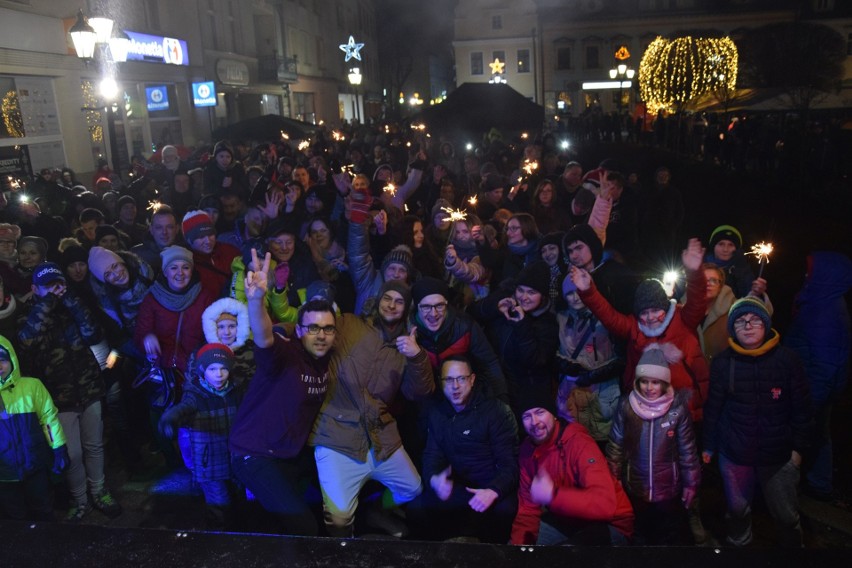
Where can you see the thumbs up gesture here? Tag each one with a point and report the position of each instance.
(407, 344)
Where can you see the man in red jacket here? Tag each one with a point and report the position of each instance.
(567, 495)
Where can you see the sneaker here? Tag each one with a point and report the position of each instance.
(106, 504)
(77, 512)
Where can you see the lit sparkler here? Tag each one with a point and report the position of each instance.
(454, 214)
(154, 206)
(284, 135)
(530, 166)
(472, 200)
(304, 145)
(390, 189)
(761, 251)
(337, 135)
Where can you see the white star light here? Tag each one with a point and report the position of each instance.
(352, 49)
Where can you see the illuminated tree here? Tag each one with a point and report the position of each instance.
(674, 72)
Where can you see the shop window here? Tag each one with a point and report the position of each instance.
(476, 63)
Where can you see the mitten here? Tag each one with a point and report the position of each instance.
(60, 459)
(282, 274)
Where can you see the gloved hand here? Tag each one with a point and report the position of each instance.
(60, 459)
(282, 274)
(360, 205)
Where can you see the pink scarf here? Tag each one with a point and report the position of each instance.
(650, 409)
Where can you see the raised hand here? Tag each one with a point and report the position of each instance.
(407, 344)
(381, 222)
(152, 345)
(510, 309)
(257, 281)
(581, 278)
(450, 256)
(442, 484)
(273, 205)
(693, 255)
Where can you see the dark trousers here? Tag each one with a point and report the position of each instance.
(660, 523)
(277, 485)
(433, 519)
(28, 499)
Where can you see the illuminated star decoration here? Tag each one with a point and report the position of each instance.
(352, 49)
(761, 251)
(497, 67)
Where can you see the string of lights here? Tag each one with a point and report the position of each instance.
(674, 72)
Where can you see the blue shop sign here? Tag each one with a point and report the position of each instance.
(157, 97)
(204, 94)
(157, 49)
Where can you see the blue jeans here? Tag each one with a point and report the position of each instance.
(778, 484)
(590, 533)
(275, 484)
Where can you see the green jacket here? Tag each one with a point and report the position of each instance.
(29, 423)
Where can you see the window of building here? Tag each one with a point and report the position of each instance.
(303, 107)
(592, 57)
(496, 22)
(213, 23)
(563, 58)
(233, 27)
(476, 63)
(523, 61)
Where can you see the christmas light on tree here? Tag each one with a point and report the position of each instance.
(674, 72)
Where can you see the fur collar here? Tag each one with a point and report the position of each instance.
(647, 332)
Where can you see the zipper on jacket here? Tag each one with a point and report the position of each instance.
(651, 461)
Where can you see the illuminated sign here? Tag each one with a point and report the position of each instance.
(157, 49)
(157, 97)
(204, 94)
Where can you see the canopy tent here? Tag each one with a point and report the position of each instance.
(267, 128)
(475, 108)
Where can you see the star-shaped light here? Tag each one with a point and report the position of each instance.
(352, 49)
(497, 67)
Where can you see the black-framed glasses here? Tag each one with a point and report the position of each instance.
(744, 323)
(440, 307)
(314, 329)
(460, 380)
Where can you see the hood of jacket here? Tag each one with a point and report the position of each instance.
(216, 309)
(16, 367)
(829, 277)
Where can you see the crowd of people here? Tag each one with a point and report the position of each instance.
(467, 346)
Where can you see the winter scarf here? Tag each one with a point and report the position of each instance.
(176, 301)
(650, 409)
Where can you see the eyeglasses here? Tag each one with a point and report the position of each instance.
(314, 329)
(460, 380)
(512, 228)
(744, 323)
(426, 308)
(714, 281)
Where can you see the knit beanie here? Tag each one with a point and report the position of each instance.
(726, 233)
(100, 259)
(568, 285)
(748, 305)
(104, 230)
(655, 360)
(427, 286)
(9, 232)
(173, 253)
(536, 398)
(223, 146)
(320, 288)
(397, 286)
(535, 275)
(215, 353)
(400, 254)
(124, 200)
(197, 224)
(551, 239)
(282, 226)
(75, 253)
(650, 294)
(584, 234)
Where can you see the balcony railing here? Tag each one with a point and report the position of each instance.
(277, 69)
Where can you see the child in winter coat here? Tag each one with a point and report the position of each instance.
(652, 449)
(208, 407)
(31, 442)
(589, 369)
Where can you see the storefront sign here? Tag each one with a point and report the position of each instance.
(157, 97)
(157, 49)
(232, 72)
(204, 94)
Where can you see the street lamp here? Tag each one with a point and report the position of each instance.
(355, 78)
(621, 72)
(87, 34)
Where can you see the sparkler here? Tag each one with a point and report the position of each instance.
(472, 200)
(337, 135)
(348, 168)
(390, 189)
(762, 251)
(284, 135)
(530, 166)
(454, 215)
(154, 206)
(303, 145)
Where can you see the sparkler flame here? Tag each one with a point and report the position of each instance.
(154, 206)
(761, 251)
(303, 145)
(454, 214)
(472, 200)
(530, 166)
(337, 135)
(390, 188)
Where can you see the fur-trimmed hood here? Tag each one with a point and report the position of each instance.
(231, 306)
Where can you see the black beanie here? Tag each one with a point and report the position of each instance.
(536, 275)
(537, 396)
(74, 253)
(551, 239)
(426, 286)
(650, 294)
(585, 234)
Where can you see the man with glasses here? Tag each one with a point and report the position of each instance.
(443, 331)
(268, 438)
(355, 436)
(471, 462)
(758, 420)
